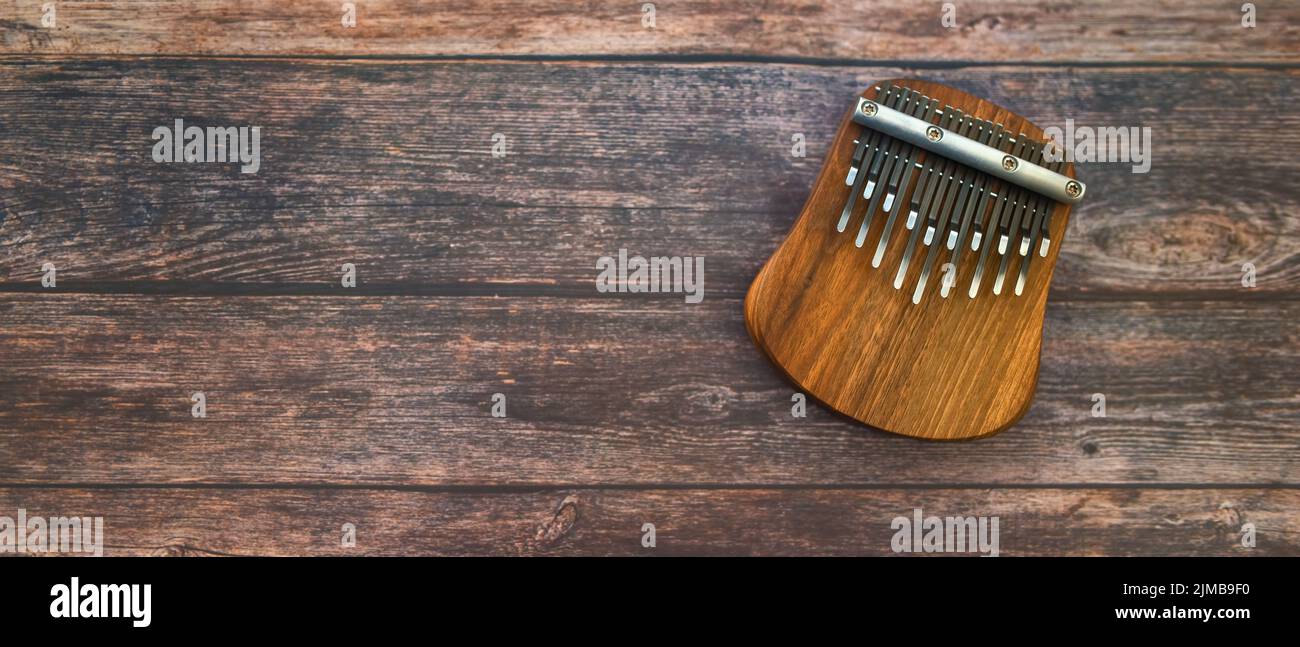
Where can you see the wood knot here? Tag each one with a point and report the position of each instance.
(1228, 515)
(559, 525)
(983, 23)
(708, 402)
(181, 547)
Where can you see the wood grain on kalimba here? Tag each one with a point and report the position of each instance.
(912, 300)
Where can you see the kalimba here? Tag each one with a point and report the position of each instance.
(910, 293)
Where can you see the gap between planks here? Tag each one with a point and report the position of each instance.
(181, 289)
(656, 59)
(540, 488)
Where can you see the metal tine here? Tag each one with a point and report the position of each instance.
(976, 204)
(902, 186)
(936, 178)
(1042, 206)
(873, 154)
(1036, 206)
(973, 182)
(954, 225)
(893, 159)
(1008, 241)
(1045, 234)
(1017, 194)
(865, 141)
(937, 229)
(854, 178)
(1004, 259)
(924, 107)
(978, 181)
(1028, 207)
(1000, 203)
(924, 186)
(1045, 230)
(949, 187)
(882, 156)
(999, 140)
(1045, 207)
(1010, 221)
(965, 179)
(962, 209)
(860, 147)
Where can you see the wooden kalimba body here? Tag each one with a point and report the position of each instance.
(910, 292)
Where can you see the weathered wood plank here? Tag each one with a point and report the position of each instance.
(993, 30)
(390, 166)
(397, 390)
(1117, 522)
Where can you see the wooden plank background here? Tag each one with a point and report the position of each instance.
(476, 276)
(984, 30)
(604, 521)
